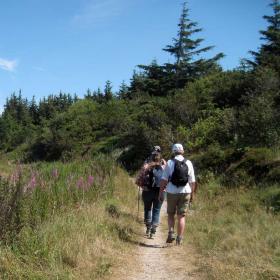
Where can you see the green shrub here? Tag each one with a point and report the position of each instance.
(270, 196)
(256, 167)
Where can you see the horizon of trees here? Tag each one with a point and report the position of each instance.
(218, 115)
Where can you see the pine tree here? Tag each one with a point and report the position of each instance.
(123, 91)
(155, 77)
(184, 49)
(89, 94)
(269, 52)
(108, 94)
(34, 111)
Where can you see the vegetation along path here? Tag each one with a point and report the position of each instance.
(154, 259)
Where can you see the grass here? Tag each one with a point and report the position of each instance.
(84, 237)
(235, 233)
(5, 165)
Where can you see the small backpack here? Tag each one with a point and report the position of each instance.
(152, 177)
(180, 176)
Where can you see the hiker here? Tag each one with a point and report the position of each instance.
(149, 179)
(178, 180)
(155, 150)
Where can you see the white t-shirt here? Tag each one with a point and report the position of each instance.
(167, 173)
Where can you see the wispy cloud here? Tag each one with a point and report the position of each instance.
(98, 11)
(8, 65)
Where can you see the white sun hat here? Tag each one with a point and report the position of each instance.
(177, 148)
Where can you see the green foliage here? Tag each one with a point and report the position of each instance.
(82, 239)
(34, 195)
(185, 49)
(271, 198)
(214, 113)
(268, 54)
(258, 117)
(256, 166)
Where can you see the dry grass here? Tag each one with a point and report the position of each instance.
(238, 238)
(82, 243)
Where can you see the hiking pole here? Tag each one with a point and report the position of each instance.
(138, 203)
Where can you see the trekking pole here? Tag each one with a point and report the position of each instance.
(138, 209)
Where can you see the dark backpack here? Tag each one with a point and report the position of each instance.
(180, 176)
(149, 179)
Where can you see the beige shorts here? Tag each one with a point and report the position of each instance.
(178, 203)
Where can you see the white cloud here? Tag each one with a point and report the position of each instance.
(98, 11)
(8, 65)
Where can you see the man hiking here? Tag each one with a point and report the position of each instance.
(149, 179)
(179, 181)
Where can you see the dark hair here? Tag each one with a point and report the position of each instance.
(156, 157)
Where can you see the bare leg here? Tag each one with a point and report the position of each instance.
(171, 222)
(181, 225)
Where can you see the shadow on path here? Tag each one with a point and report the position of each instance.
(142, 244)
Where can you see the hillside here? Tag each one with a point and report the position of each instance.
(68, 206)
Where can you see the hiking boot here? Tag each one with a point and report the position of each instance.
(170, 237)
(153, 231)
(148, 230)
(179, 240)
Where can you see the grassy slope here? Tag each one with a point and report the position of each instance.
(237, 236)
(78, 243)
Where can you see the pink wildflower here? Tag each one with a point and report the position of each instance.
(55, 173)
(31, 185)
(80, 183)
(90, 180)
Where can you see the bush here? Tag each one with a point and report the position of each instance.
(271, 198)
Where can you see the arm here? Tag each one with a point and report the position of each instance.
(164, 181)
(162, 186)
(192, 181)
(194, 189)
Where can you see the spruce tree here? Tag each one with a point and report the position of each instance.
(108, 94)
(123, 91)
(34, 111)
(269, 52)
(185, 49)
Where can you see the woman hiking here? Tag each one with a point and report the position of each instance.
(148, 179)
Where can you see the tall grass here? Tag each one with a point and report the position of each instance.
(237, 235)
(67, 221)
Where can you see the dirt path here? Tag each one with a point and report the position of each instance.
(155, 260)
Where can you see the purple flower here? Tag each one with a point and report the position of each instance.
(15, 177)
(80, 183)
(31, 185)
(55, 173)
(90, 180)
(32, 182)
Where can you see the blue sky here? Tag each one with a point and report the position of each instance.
(72, 45)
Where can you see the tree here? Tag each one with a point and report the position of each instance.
(108, 94)
(34, 111)
(123, 91)
(269, 52)
(154, 79)
(184, 49)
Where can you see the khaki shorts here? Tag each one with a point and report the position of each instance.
(178, 203)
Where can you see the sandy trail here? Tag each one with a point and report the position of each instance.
(156, 260)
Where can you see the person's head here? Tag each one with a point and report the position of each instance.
(156, 157)
(156, 149)
(177, 149)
